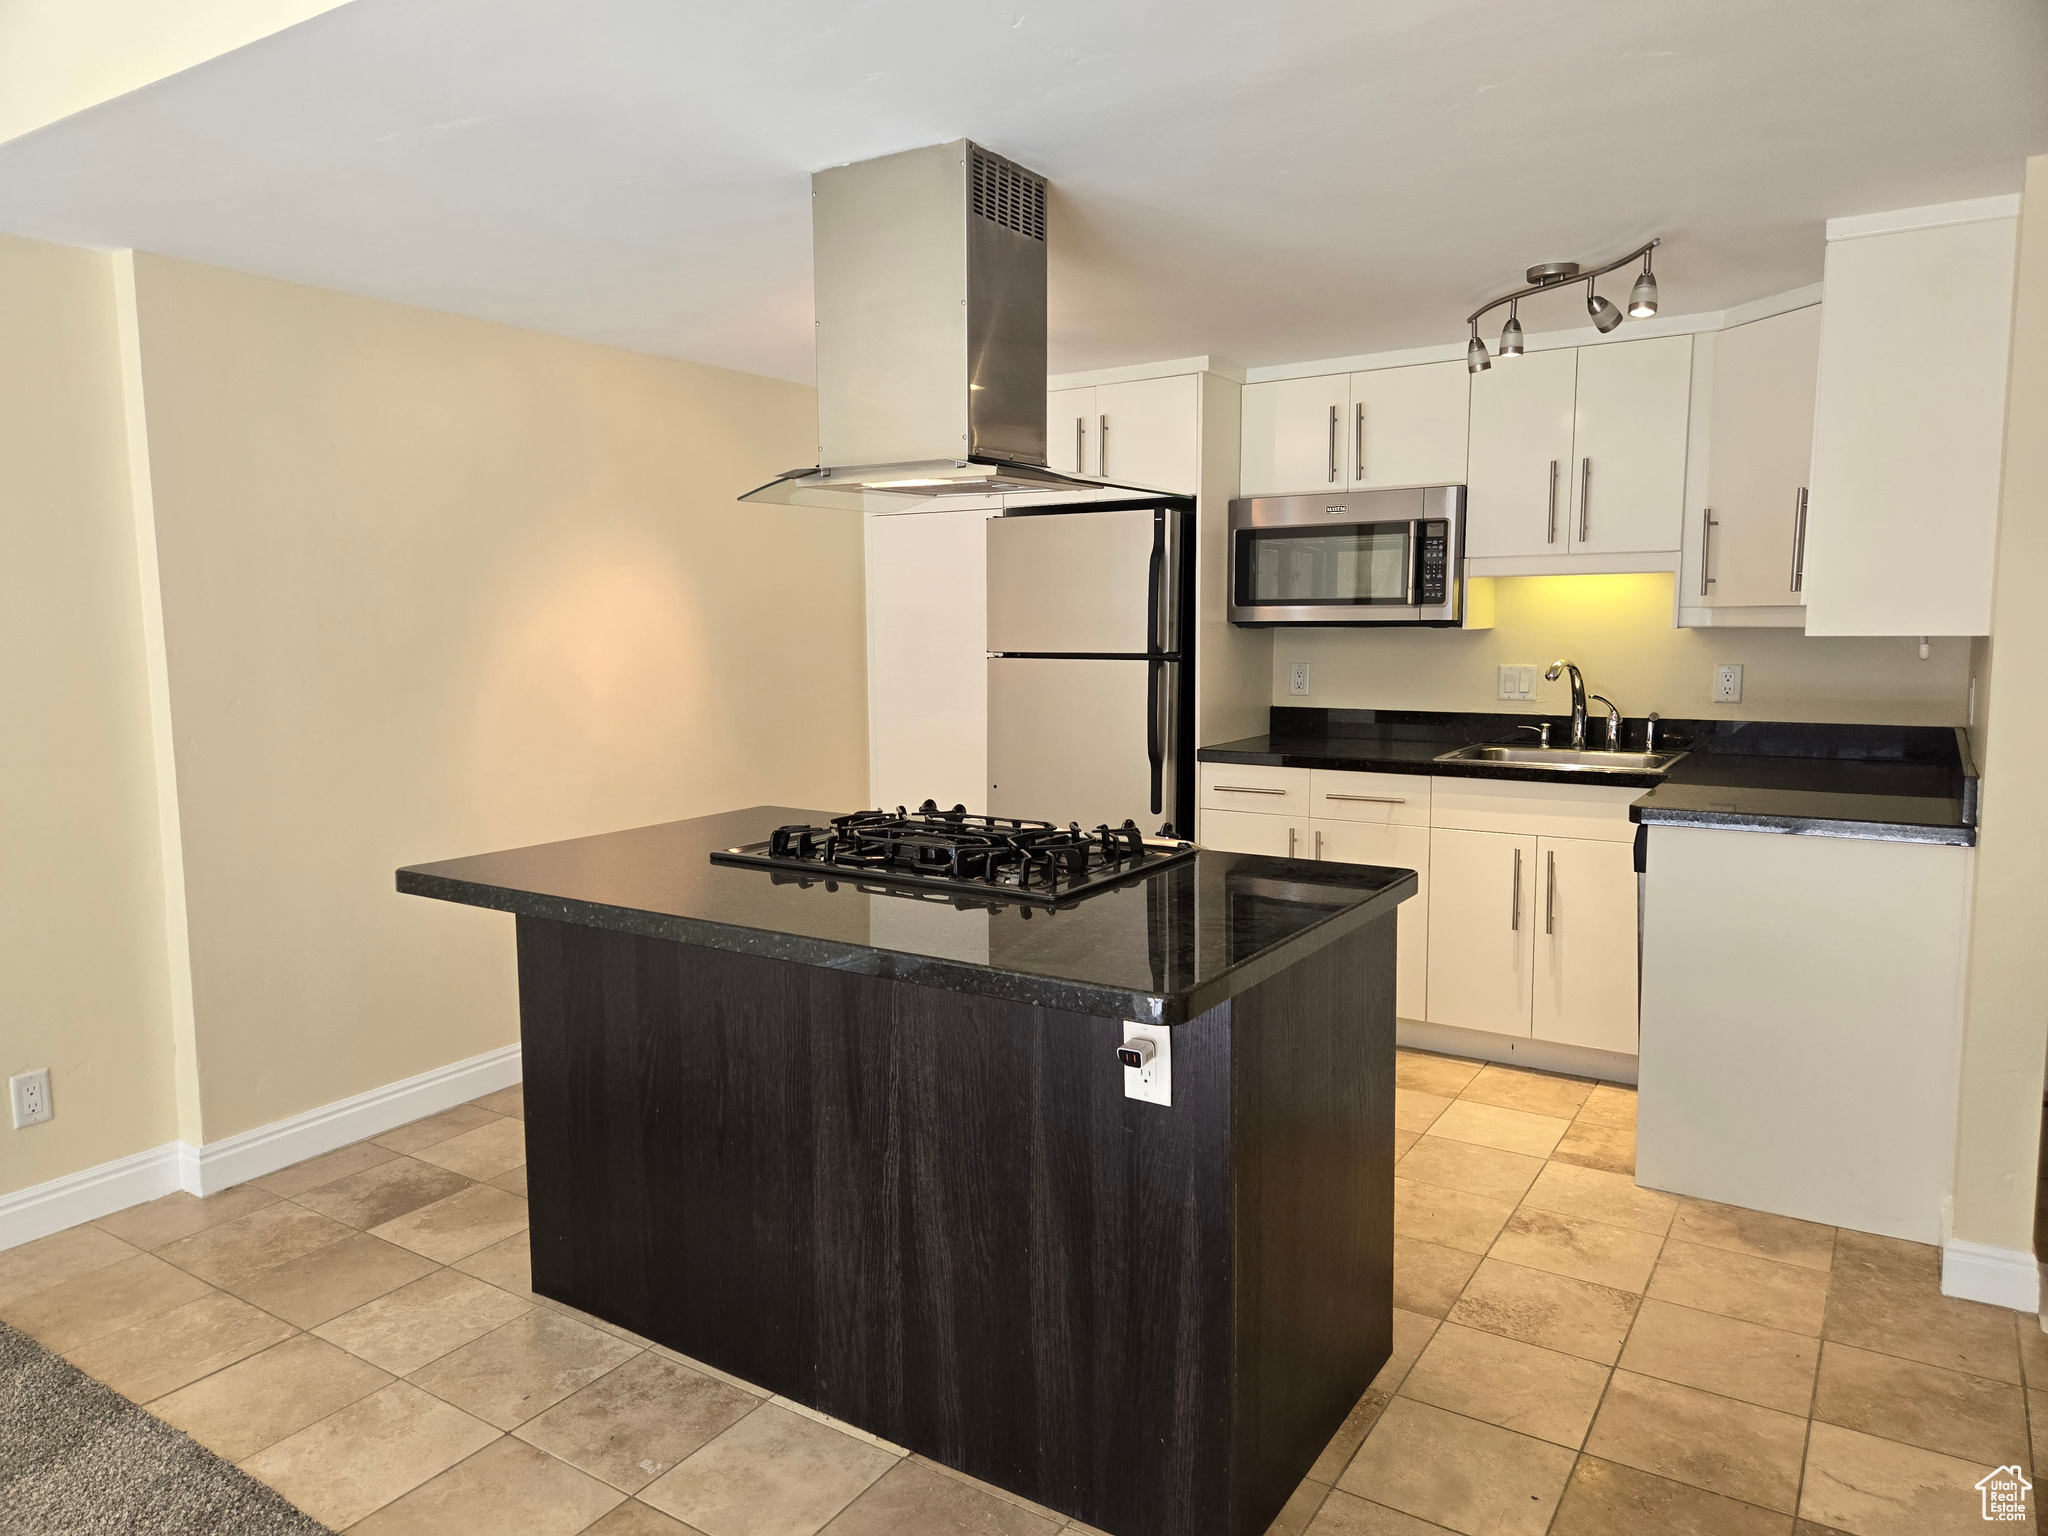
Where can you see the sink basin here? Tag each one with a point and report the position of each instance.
(1586, 761)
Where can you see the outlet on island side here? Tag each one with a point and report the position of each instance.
(1727, 685)
(1297, 680)
(30, 1093)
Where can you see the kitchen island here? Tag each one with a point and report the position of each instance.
(874, 1151)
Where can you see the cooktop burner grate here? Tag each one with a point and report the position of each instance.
(955, 850)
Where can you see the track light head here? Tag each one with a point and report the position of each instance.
(1605, 316)
(1511, 335)
(1476, 360)
(1642, 299)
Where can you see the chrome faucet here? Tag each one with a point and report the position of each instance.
(1613, 722)
(1578, 700)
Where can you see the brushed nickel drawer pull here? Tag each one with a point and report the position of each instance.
(1319, 843)
(1372, 799)
(1550, 890)
(1244, 789)
(1290, 842)
(1515, 901)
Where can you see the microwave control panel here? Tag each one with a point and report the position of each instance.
(1431, 561)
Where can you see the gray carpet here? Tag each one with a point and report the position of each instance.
(79, 1459)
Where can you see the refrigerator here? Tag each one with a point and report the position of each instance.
(1091, 663)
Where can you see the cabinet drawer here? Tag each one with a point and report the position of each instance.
(1393, 799)
(1254, 787)
(1598, 811)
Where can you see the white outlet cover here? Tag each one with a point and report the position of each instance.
(1154, 1083)
(1728, 685)
(1297, 680)
(30, 1094)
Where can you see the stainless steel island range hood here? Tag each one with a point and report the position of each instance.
(930, 279)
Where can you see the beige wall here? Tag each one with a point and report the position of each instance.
(2005, 1027)
(1619, 630)
(433, 586)
(58, 57)
(83, 987)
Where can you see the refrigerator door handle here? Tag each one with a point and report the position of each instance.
(1153, 746)
(1152, 593)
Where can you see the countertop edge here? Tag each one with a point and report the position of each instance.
(1517, 772)
(1805, 826)
(1027, 987)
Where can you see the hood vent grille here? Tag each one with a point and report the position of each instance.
(1008, 194)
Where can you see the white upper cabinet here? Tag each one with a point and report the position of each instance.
(1581, 451)
(1295, 438)
(1628, 446)
(1521, 456)
(1408, 426)
(1148, 433)
(1144, 432)
(1761, 450)
(1071, 431)
(1909, 422)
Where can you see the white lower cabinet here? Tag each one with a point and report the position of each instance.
(1401, 847)
(1524, 918)
(1584, 921)
(1278, 837)
(1479, 924)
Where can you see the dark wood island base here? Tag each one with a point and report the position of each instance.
(874, 1152)
(936, 1215)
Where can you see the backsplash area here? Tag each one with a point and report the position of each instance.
(1619, 630)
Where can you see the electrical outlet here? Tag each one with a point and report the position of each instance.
(1152, 1082)
(1727, 685)
(1297, 680)
(31, 1094)
(1517, 683)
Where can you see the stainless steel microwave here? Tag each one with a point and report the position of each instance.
(1353, 557)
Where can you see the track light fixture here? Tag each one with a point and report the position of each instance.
(1511, 334)
(1642, 301)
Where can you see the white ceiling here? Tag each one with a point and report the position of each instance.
(1263, 181)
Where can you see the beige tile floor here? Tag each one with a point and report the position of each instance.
(1574, 1356)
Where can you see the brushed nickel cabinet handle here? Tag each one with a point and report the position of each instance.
(1244, 789)
(1551, 537)
(1102, 446)
(1585, 492)
(1550, 890)
(1372, 799)
(1358, 444)
(1290, 842)
(1080, 445)
(1707, 527)
(1319, 842)
(1799, 541)
(1515, 902)
(1333, 445)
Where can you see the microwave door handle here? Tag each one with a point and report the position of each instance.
(1414, 595)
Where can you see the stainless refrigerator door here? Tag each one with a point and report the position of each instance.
(1070, 740)
(1073, 581)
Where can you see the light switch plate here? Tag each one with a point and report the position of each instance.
(30, 1092)
(1517, 682)
(1297, 680)
(1727, 685)
(1152, 1083)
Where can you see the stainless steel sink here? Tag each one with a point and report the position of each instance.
(1586, 761)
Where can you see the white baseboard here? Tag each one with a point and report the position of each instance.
(32, 1213)
(2004, 1277)
(28, 1214)
(237, 1159)
(1516, 1051)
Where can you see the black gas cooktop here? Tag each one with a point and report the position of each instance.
(963, 854)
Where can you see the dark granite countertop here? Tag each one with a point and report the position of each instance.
(1895, 783)
(1158, 950)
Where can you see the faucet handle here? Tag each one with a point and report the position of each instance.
(1613, 722)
